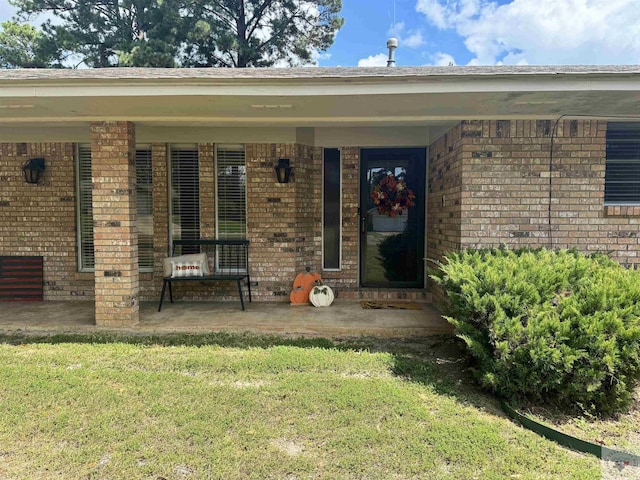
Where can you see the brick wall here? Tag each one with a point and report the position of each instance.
(506, 181)
(444, 194)
(308, 209)
(282, 219)
(40, 219)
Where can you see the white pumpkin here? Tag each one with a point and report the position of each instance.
(321, 296)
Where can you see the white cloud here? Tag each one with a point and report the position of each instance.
(434, 12)
(410, 39)
(414, 40)
(396, 29)
(542, 31)
(441, 59)
(379, 60)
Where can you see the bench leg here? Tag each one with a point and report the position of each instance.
(164, 286)
(240, 292)
(249, 287)
(170, 291)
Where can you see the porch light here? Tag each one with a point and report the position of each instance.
(32, 169)
(283, 170)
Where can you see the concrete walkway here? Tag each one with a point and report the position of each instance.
(343, 318)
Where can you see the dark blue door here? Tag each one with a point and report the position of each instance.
(392, 206)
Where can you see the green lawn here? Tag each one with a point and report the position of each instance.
(294, 411)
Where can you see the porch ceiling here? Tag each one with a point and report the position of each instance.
(421, 97)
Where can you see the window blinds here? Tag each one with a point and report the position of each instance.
(231, 187)
(86, 258)
(144, 199)
(622, 176)
(185, 193)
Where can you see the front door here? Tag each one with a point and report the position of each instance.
(392, 186)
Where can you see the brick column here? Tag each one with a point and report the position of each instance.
(113, 174)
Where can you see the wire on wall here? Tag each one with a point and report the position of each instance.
(554, 132)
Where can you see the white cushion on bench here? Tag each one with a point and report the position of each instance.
(193, 257)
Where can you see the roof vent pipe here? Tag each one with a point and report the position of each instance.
(392, 44)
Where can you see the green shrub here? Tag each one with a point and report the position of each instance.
(553, 327)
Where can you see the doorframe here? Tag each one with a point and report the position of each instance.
(421, 280)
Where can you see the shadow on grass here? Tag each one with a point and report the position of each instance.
(438, 361)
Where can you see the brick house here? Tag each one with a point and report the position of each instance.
(521, 156)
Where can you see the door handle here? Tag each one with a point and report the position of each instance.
(363, 224)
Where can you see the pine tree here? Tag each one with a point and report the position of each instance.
(169, 33)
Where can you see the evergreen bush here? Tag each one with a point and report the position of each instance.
(555, 327)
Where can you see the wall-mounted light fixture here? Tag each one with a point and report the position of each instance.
(283, 170)
(32, 169)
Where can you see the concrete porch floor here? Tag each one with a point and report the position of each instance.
(343, 318)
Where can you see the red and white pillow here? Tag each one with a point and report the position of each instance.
(194, 257)
(187, 269)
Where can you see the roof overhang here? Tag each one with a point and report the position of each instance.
(314, 97)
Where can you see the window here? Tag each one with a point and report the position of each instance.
(231, 188)
(144, 200)
(331, 211)
(185, 194)
(144, 194)
(86, 258)
(231, 203)
(622, 177)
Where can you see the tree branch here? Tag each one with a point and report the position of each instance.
(257, 16)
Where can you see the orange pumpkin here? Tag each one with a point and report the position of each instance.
(305, 280)
(297, 282)
(299, 295)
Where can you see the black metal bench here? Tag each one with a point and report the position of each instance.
(228, 260)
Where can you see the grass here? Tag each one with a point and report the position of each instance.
(241, 406)
(620, 432)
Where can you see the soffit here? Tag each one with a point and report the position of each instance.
(417, 98)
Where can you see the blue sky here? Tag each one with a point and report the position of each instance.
(483, 32)
(368, 25)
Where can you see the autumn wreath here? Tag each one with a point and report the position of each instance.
(392, 197)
